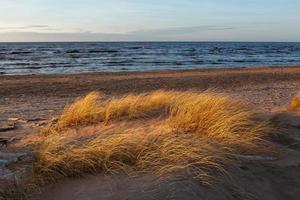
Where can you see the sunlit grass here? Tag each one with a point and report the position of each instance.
(295, 102)
(82, 112)
(166, 132)
(91, 110)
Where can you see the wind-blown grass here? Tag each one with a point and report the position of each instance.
(166, 132)
(295, 102)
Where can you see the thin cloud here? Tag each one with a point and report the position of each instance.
(8, 28)
(61, 37)
(182, 30)
(197, 33)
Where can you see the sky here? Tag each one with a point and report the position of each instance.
(149, 20)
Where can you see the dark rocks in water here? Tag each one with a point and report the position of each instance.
(2, 73)
(57, 52)
(216, 50)
(95, 51)
(239, 61)
(178, 63)
(20, 52)
(191, 50)
(135, 47)
(73, 51)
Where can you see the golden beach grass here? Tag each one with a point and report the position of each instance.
(201, 133)
(295, 102)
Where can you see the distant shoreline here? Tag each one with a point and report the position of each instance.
(163, 71)
(132, 41)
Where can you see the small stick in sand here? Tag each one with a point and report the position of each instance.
(6, 141)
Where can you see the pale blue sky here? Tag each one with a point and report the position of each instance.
(192, 20)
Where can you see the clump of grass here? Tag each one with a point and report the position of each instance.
(91, 110)
(196, 132)
(84, 111)
(295, 102)
(152, 152)
(134, 106)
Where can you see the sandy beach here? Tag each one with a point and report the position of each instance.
(42, 96)
(32, 101)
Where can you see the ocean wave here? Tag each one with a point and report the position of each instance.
(20, 52)
(43, 58)
(103, 51)
(135, 48)
(73, 51)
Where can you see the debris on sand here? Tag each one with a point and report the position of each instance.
(4, 141)
(6, 126)
(14, 119)
(36, 119)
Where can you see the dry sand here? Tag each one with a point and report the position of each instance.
(40, 96)
(35, 99)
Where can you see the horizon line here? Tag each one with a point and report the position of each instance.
(152, 41)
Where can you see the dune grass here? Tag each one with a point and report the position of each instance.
(172, 132)
(90, 110)
(295, 102)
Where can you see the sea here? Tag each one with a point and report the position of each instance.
(79, 57)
